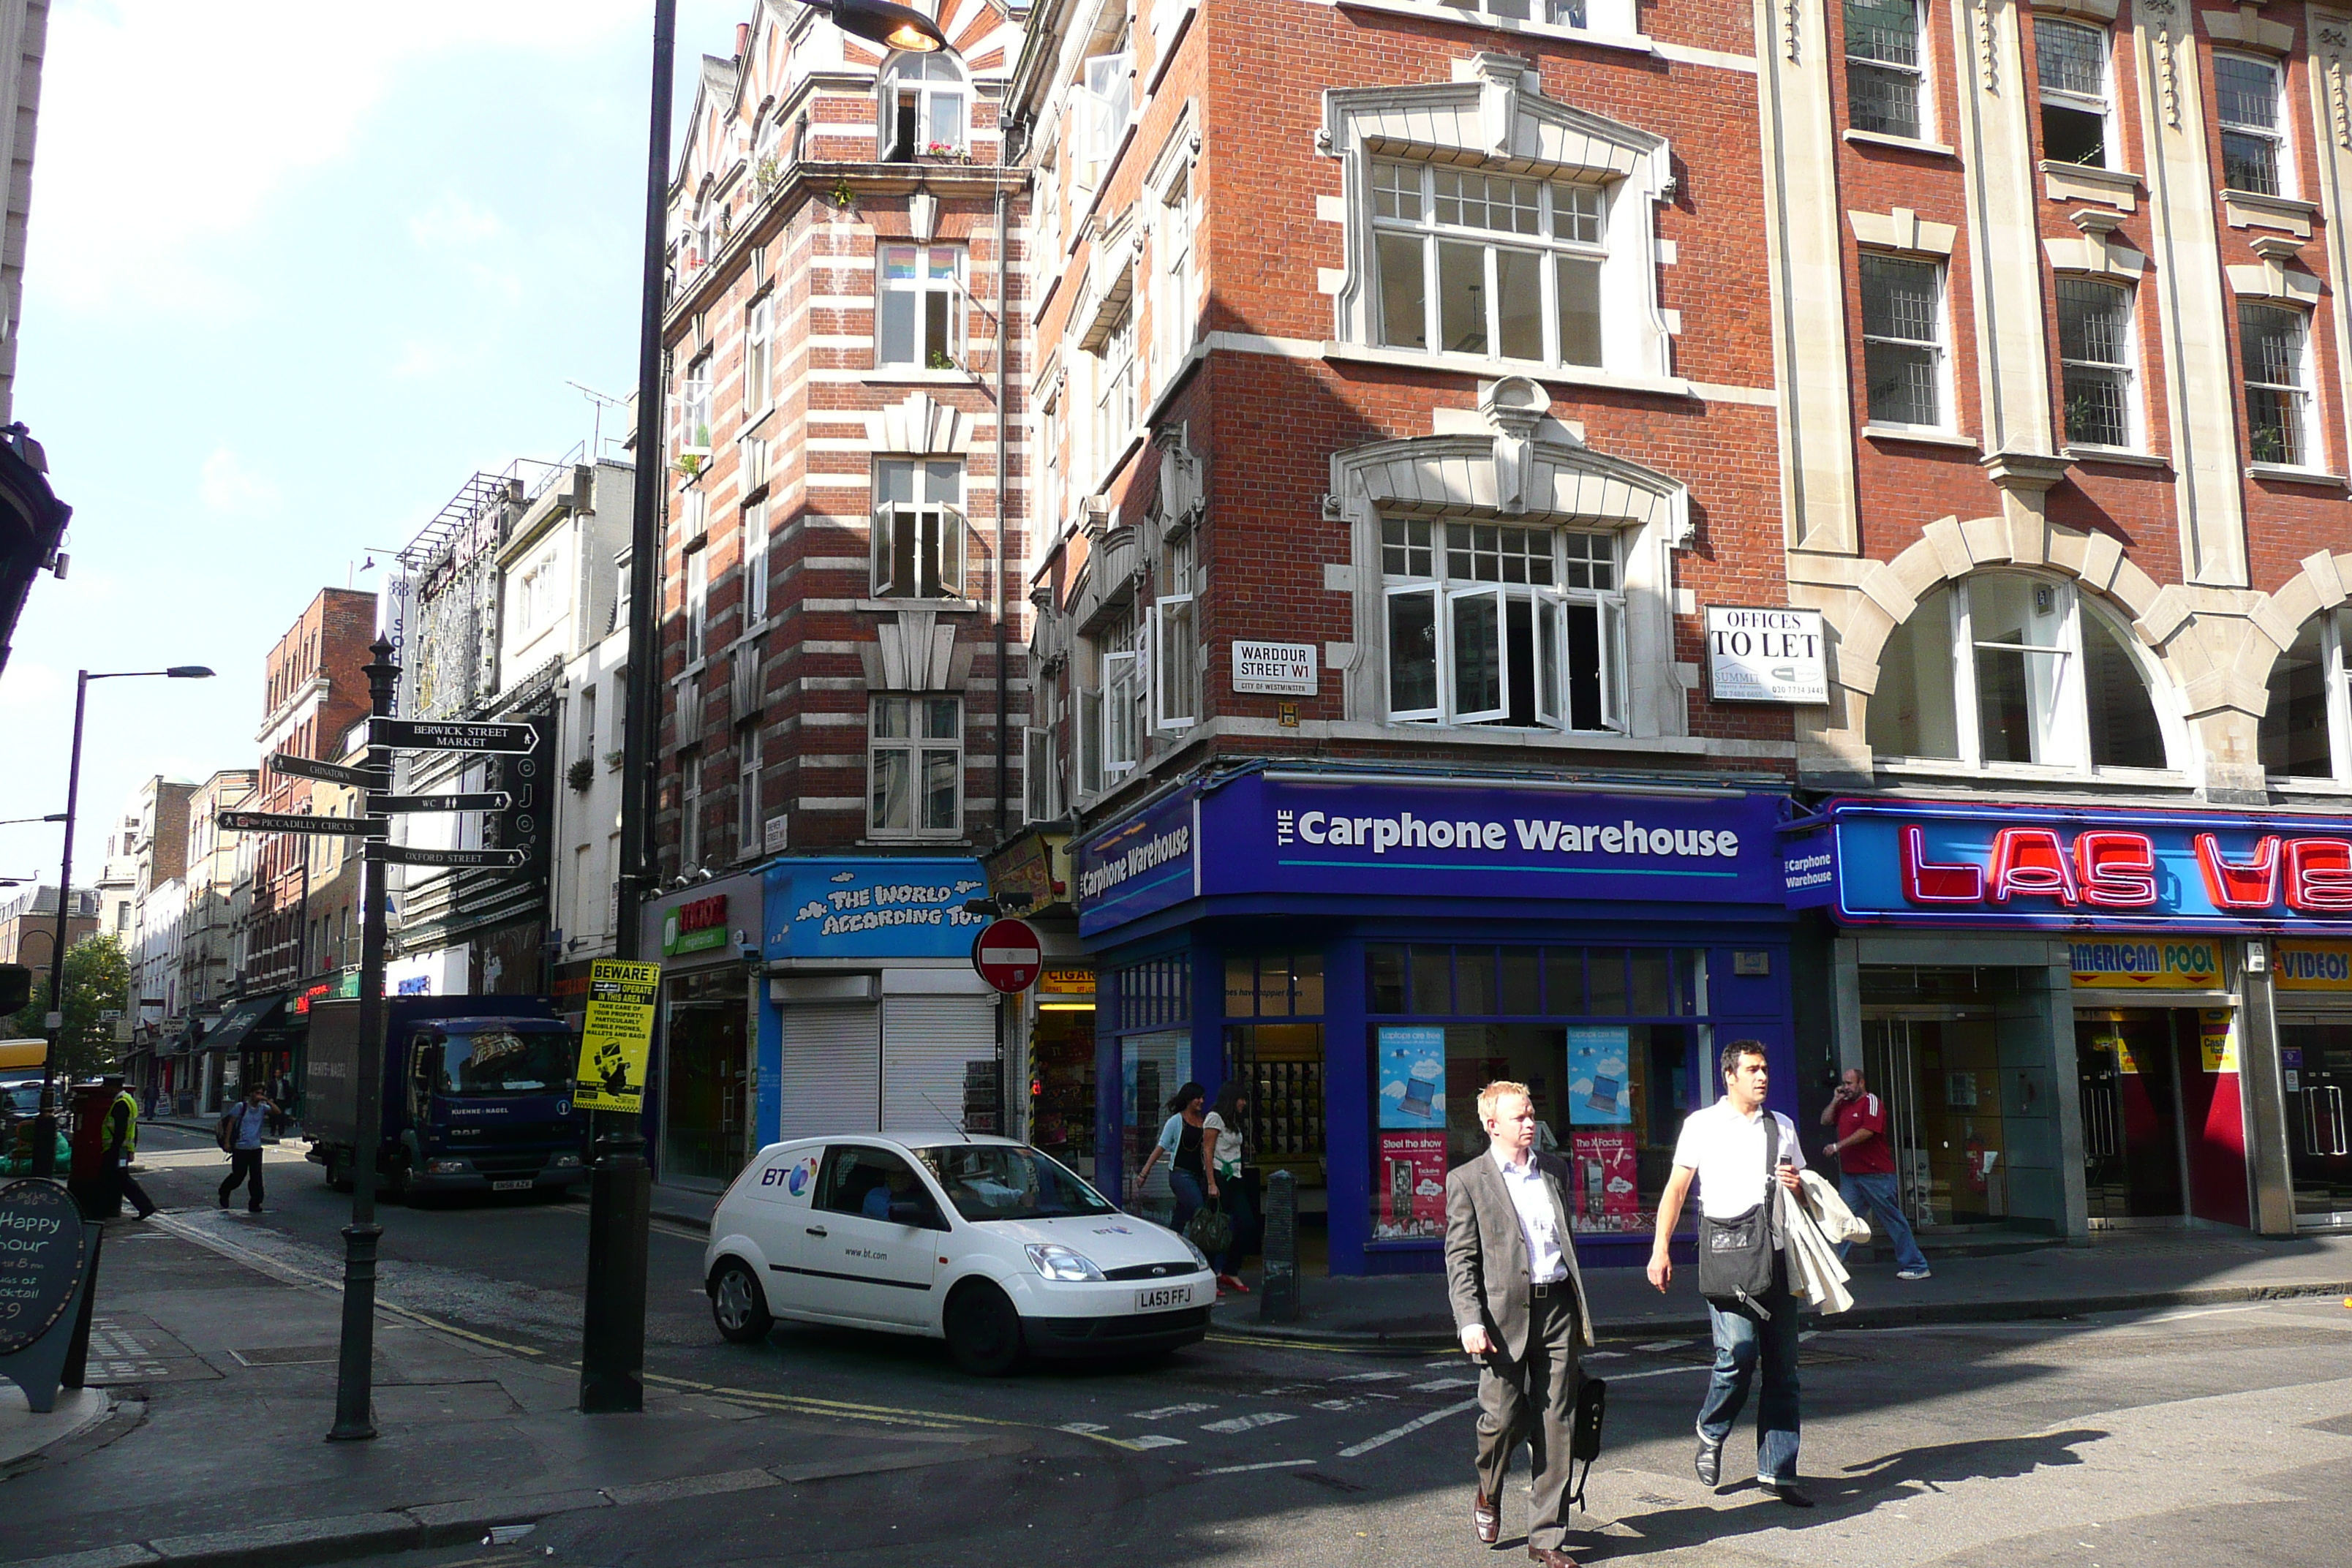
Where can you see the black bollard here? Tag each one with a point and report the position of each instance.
(1277, 1300)
(612, 1333)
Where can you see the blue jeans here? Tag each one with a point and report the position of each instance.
(1873, 1198)
(1188, 1198)
(1741, 1340)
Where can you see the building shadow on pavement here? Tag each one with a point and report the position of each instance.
(1858, 1490)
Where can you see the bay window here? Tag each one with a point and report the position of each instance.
(1115, 388)
(747, 793)
(915, 768)
(2274, 342)
(697, 603)
(918, 529)
(1605, 14)
(759, 337)
(755, 563)
(1500, 266)
(1501, 624)
(919, 317)
(2005, 667)
(922, 108)
(694, 410)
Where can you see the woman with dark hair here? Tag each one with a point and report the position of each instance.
(1228, 1182)
(1179, 1140)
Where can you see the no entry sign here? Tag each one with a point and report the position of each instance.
(1007, 954)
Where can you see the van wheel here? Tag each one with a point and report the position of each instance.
(339, 1177)
(984, 1331)
(737, 1305)
(396, 1187)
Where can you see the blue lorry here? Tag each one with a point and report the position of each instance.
(477, 1095)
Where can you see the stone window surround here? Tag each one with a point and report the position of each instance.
(1508, 460)
(1494, 115)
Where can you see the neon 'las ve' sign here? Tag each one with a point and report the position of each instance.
(2107, 868)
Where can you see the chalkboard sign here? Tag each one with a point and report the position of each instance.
(43, 1251)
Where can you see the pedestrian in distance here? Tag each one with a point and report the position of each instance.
(1518, 1304)
(121, 1141)
(1179, 1142)
(241, 1133)
(1738, 1151)
(1228, 1180)
(1866, 1170)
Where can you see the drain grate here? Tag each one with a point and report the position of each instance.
(285, 1355)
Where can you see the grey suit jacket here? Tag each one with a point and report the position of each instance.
(1486, 1252)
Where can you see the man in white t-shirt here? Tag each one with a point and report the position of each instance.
(1723, 1147)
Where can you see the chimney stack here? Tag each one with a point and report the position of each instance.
(743, 40)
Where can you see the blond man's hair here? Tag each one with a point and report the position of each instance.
(1491, 1096)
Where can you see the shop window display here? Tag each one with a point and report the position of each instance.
(1609, 1041)
(1062, 1075)
(1155, 1046)
(1281, 1060)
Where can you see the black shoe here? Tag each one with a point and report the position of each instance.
(224, 1200)
(1788, 1492)
(255, 1209)
(1709, 1463)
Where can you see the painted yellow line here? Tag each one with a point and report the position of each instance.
(936, 1420)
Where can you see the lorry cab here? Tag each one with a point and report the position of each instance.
(490, 1105)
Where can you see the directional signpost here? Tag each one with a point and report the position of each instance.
(437, 735)
(295, 767)
(480, 800)
(418, 855)
(288, 822)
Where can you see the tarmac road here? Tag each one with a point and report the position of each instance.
(2221, 1436)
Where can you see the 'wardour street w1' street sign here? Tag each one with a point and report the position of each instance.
(437, 735)
(295, 767)
(417, 855)
(288, 822)
(480, 800)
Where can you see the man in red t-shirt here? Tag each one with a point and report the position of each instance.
(1865, 1163)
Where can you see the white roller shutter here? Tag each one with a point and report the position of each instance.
(926, 1041)
(831, 1081)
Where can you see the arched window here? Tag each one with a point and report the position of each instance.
(2005, 667)
(922, 108)
(2304, 734)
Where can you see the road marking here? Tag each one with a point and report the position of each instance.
(1165, 1410)
(1415, 1424)
(1589, 1355)
(1434, 1383)
(1659, 1372)
(1157, 1440)
(1245, 1423)
(1371, 1377)
(1662, 1345)
(1268, 1465)
(1083, 1428)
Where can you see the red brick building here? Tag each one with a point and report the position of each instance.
(315, 692)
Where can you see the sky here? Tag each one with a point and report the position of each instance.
(294, 272)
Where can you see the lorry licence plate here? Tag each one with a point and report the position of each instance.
(509, 1186)
(1165, 1296)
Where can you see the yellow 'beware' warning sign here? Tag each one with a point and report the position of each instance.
(616, 1036)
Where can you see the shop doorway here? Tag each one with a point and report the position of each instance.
(706, 1081)
(2316, 1068)
(1940, 1076)
(2129, 1063)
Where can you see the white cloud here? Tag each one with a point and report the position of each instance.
(165, 124)
(228, 487)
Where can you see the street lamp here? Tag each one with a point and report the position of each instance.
(44, 1126)
(898, 26)
(53, 817)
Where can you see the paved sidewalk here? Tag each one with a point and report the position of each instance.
(221, 1374)
(2119, 1270)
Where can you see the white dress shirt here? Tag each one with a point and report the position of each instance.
(1727, 1150)
(1538, 1219)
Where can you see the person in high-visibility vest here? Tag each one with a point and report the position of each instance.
(122, 1146)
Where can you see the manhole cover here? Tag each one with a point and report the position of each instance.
(285, 1355)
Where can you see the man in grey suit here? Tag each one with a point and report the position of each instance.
(1518, 1302)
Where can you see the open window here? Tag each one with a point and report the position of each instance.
(923, 101)
(2005, 668)
(1503, 624)
(2077, 103)
(918, 529)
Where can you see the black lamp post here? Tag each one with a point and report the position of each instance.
(44, 1126)
(612, 1325)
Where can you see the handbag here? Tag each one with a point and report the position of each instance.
(1584, 1431)
(1735, 1254)
(1211, 1229)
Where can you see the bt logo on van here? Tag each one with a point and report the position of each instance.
(795, 1178)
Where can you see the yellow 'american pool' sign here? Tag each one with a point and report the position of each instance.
(2155, 964)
